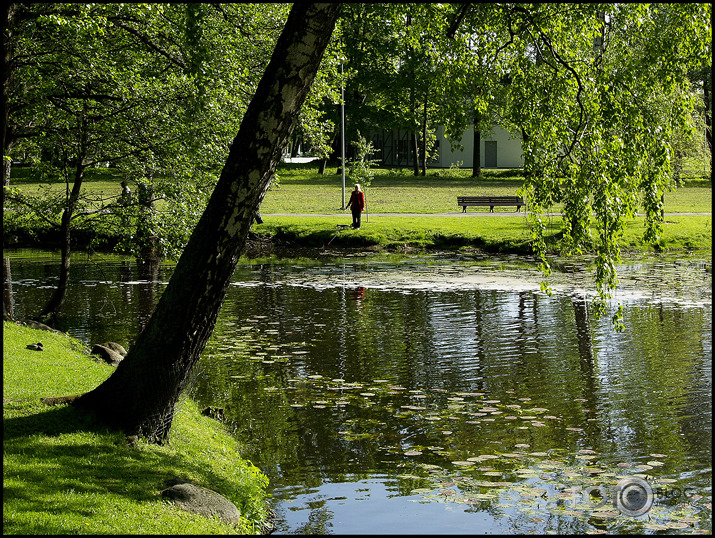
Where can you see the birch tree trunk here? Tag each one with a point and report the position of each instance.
(140, 396)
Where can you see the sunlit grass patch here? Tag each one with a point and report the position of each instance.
(65, 474)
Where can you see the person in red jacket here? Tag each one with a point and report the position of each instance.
(357, 203)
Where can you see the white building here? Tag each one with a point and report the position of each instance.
(499, 149)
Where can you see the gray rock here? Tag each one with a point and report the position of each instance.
(200, 500)
(115, 347)
(32, 324)
(107, 355)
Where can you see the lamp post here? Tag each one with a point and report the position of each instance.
(342, 129)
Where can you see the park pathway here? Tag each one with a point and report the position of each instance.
(458, 214)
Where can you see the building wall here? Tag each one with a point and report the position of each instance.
(500, 149)
(508, 150)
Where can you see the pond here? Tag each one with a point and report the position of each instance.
(443, 394)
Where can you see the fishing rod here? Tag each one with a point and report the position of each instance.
(341, 227)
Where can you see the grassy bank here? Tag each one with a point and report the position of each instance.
(64, 474)
(301, 190)
(490, 234)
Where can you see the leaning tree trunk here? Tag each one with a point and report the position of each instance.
(707, 87)
(140, 396)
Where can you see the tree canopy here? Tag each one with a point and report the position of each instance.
(600, 93)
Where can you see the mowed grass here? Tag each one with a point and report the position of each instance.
(65, 474)
(301, 190)
(494, 234)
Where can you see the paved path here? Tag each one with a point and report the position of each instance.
(443, 215)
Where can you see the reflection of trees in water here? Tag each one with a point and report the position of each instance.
(147, 270)
(8, 305)
(546, 349)
(318, 521)
(597, 417)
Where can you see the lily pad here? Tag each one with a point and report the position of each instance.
(677, 525)
(480, 497)
(655, 527)
(594, 470)
(605, 514)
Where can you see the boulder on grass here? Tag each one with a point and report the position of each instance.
(32, 324)
(107, 355)
(115, 347)
(200, 500)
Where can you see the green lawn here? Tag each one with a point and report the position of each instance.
(64, 474)
(301, 189)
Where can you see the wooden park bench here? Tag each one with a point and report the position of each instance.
(491, 201)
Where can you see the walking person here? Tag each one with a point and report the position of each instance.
(357, 204)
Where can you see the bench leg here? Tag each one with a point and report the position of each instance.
(491, 209)
(464, 209)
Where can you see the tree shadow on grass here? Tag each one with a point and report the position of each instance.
(63, 461)
(54, 421)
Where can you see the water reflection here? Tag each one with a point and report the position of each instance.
(430, 397)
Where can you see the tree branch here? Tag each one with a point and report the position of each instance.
(457, 20)
(149, 43)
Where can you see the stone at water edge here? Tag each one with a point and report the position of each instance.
(106, 354)
(118, 348)
(199, 500)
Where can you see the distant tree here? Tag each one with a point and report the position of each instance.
(587, 85)
(64, 101)
(154, 91)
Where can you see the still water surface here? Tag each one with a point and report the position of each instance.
(439, 395)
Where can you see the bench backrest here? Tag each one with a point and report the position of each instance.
(488, 199)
